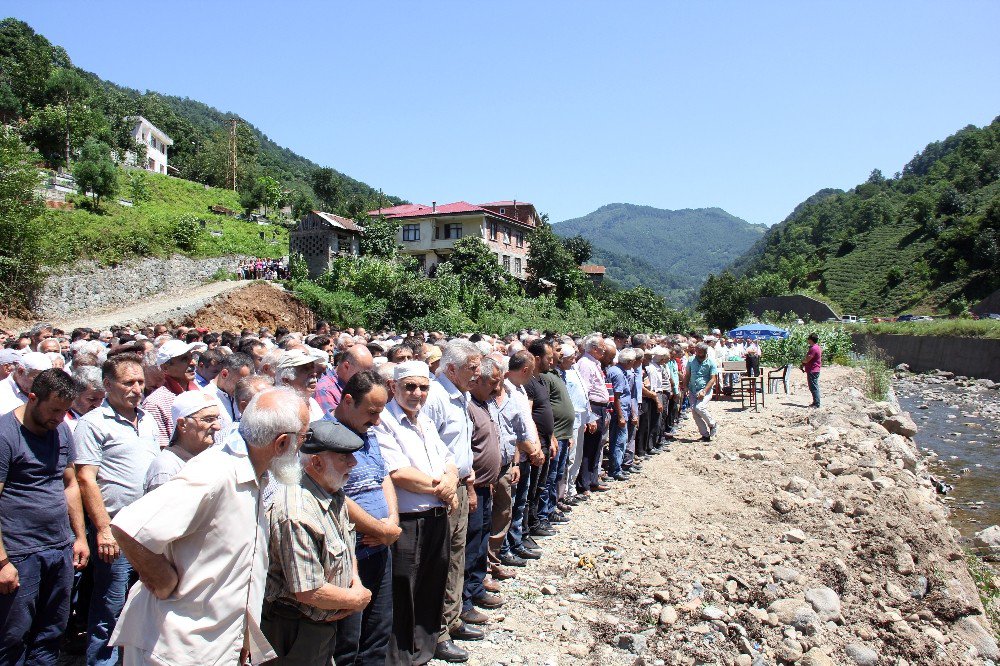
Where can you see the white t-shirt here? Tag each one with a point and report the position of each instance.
(163, 468)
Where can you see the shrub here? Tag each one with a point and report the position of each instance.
(186, 230)
(878, 375)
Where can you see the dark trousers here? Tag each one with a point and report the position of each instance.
(33, 617)
(644, 436)
(536, 483)
(593, 449)
(296, 640)
(518, 510)
(753, 366)
(550, 493)
(111, 585)
(363, 638)
(813, 379)
(477, 547)
(419, 575)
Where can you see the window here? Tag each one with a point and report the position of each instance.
(520, 238)
(411, 232)
(506, 262)
(517, 266)
(503, 211)
(506, 235)
(493, 229)
(452, 231)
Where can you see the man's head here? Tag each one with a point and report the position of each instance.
(248, 387)
(328, 454)
(701, 350)
(400, 353)
(176, 359)
(626, 357)
(521, 368)
(124, 381)
(40, 331)
(541, 349)
(460, 363)
(256, 350)
(567, 356)
(620, 339)
(814, 338)
(9, 360)
(195, 416)
(298, 371)
(210, 363)
(91, 389)
(233, 368)
(356, 359)
(49, 345)
(412, 381)
(610, 351)
(29, 367)
(274, 424)
(487, 384)
(363, 400)
(52, 393)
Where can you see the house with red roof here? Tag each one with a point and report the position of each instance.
(322, 237)
(429, 233)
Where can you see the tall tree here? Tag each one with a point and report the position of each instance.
(579, 247)
(70, 89)
(477, 267)
(20, 207)
(95, 171)
(379, 237)
(326, 184)
(549, 260)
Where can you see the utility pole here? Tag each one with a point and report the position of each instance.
(231, 175)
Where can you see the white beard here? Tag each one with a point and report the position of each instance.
(334, 480)
(286, 468)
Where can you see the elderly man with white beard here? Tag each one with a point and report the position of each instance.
(199, 544)
(312, 580)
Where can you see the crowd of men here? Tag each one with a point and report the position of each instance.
(194, 497)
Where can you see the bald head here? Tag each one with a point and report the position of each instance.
(354, 360)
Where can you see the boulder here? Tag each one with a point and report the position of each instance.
(825, 602)
(900, 424)
(978, 637)
(987, 543)
(862, 655)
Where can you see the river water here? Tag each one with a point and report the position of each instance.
(959, 422)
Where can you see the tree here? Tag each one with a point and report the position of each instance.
(67, 86)
(379, 237)
(326, 184)
(96, 172)
(579, 247)
(548, 259)
(724, 300)
(477, 267)
(302, 203)
(20, 208)
(270, 192)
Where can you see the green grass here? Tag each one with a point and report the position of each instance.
(964, 328)
(987, 580)
(149, 227)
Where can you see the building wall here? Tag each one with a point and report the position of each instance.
(156, 152)
(435, 249)
(990, 304)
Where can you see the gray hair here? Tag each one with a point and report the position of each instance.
(248, 387)
(489, 366)
(592, 342)
(89, 377)
(281, 375)
(703, 346)
(262, 425)
(639, 339)
(39, 327)
(457, 353)
(626, 355)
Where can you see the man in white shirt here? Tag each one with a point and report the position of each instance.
(15, 389)
(447, 406)
(196, 422)
(199, 546)
(424, 473)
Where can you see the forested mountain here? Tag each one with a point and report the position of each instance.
(59, 107)
(670, 251)
(925, 240)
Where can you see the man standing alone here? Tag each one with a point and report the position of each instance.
(811, 366)
(702, 376)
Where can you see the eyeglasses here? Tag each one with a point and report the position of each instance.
(412, 387)
(302, 438)
(207, 420)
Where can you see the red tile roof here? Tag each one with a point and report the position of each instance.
(338, 221)
(593, 269)
(420, 210)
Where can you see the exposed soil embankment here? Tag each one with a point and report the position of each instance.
(798, 536)
(260, 304)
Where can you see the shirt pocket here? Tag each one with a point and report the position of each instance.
(338, 569)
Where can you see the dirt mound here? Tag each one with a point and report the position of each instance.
(259, 304)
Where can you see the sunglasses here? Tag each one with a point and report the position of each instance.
(412, 387)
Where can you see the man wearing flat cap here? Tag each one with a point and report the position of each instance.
(312, 578)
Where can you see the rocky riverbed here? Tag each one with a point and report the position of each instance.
(799, 536)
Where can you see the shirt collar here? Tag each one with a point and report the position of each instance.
(245, 473)
(323, 498)
(111, 412)
(448, 386)
(398, 412)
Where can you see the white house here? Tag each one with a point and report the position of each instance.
(156, 143)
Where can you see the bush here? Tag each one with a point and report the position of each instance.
(878, 375)
(835, 341)
(186, 230)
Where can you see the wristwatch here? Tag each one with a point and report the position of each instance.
(4, 562)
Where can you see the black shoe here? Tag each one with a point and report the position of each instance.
(706, 438)
(572, 501)
(527, 554)
(564, 506)
(448, 651)
(512, 560)
(558, 517)
(620, 476)
(542, 530)
(528, 542)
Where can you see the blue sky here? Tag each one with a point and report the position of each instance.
(750, 107)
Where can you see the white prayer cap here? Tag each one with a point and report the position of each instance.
(190, 402)
(35, 361)
(171, 349)
(9, 356)
(567, 349)
(659, 351)
(411, 369)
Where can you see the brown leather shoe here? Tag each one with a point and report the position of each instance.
(474, 616)
(502, 573)
(599, 488)
(491, 585)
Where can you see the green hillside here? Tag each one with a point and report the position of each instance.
(170, 216)
(653, 246)
(923, 241)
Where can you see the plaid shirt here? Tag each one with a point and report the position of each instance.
(311, 543)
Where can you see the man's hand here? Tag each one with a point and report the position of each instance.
(473, 500)
(635, 419)
(621, 422)
(107, 547)
(554, 448)
(444, 488)
(390, 532)
(536, 457)
(244, 656)
(700, 395)
(515, 475)
(165, 581)
(592, 427)
(659, 406)
(81, 554)
(9, 581)
(360, 597)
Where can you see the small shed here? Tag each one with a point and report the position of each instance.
(594, 272)
(321, 237)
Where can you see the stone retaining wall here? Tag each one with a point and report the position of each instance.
(87, 286)
(970, 357)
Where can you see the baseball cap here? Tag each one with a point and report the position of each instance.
(173, 348)
(330, 436)
(295, 358)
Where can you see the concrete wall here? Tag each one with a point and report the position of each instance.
(989, 304)
(971, 357)
(88, 286)
(802, 306)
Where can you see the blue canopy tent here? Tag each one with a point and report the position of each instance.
(758, 332)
